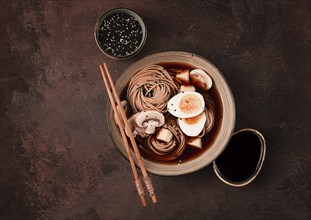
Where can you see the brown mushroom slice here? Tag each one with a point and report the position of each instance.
(126, 106)
(134, 128)
(150, 120)
(201, 79)
(145, 123)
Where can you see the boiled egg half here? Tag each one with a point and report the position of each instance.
(186, 104)
(192, 127)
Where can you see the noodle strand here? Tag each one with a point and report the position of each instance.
(150, 89)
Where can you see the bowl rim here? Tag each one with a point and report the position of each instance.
(197, 163)
(129, 12)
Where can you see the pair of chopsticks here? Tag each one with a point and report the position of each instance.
(122, 122)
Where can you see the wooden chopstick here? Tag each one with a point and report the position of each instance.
(146, 179)
(110, 87)
(138, 184)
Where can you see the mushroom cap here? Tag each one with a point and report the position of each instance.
(144, 123)
(201, 79)
(132, 123)
(148, 116)
(125, 106)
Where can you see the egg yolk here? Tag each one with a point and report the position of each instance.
(193, 120)
(189, 104)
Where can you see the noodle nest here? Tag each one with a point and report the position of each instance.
(167, 151)
(150, 89)
(210, 114)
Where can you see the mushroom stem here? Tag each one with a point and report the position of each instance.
(145, 123)
(150, 126)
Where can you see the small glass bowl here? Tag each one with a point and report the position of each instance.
(117, 32)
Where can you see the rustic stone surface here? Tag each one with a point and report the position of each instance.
(57, 159)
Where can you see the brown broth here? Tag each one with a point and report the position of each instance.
(191, 153)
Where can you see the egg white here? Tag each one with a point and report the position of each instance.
(192, 130)
(174, 109)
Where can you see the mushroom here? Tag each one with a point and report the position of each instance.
(126, 106)
(201, 79)
(145, 123)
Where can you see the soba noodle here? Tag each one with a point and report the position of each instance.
(210, 114)
(150, 89)
(167, 151)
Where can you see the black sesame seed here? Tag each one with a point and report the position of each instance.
(120, 34)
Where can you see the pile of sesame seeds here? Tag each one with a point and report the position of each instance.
(120, 34)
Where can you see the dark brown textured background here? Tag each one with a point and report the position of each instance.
(57, 160)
